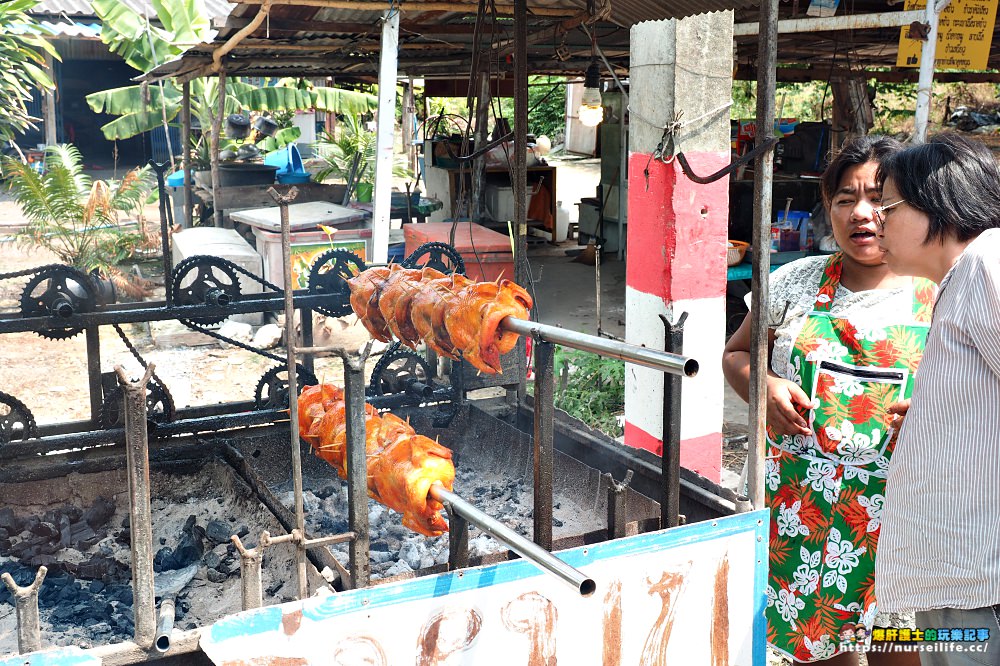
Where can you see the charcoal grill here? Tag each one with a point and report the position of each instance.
(545, 457)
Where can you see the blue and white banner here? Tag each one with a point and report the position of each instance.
(689, 595)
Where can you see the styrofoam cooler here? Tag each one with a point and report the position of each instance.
(305, 247)
(486, 253)
(226, 244)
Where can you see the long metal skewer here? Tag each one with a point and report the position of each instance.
(514, 541)
(651, 358)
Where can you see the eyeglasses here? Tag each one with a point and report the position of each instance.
(880, 213)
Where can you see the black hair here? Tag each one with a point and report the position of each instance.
(955, 181)
(864, 149)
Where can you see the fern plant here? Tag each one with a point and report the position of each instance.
(338, 152)
(75, 217)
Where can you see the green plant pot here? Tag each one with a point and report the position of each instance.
(364, 192)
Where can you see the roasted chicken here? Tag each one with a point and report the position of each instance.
(401, 465)
(455, 316)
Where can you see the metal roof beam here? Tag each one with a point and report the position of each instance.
(847, 22)
(457, 7)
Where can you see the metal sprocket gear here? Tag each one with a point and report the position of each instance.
(441, 256)
(58, 291)
(396, 369)
(328, 276)
(272, 389)
(159, 406)
(16, 420)
(205, 280)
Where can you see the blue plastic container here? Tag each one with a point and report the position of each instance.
(294, 178)
(287, 160)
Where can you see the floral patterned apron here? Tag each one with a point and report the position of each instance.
(826, 490)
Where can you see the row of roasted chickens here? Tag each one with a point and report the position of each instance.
(401, 465)
(453, 315)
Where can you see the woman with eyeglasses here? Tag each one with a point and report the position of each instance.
(940, 547)
(845, 336)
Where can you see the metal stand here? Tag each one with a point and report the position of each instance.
(29, 635)
(357, 468)
(140, 515)
(671, 456)
(544, 448)
(617, 510)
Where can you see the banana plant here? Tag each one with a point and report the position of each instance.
(22, 49)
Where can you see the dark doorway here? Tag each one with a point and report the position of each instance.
(82, 127)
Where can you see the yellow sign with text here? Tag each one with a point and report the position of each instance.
(965, 32)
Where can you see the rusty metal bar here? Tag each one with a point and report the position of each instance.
(543, 441)
(164, 625)
(165, 221)
(670, 460)
(650, 358)
(523, 547)
(617, 508)
(293, 388)
(522, 272)
(140, 514)
(186, 161)
(29, 635)
(458, 540)
(763, 178)
(93, 336)
(250, 578)
(357, 468)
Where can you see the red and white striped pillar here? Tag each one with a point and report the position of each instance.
(677, 229)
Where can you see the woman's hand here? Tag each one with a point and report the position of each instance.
(783, 397)
(898, 412)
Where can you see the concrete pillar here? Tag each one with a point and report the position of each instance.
(388, 65)
(678, 229)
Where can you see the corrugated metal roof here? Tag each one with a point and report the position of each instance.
(213, 8)
(73, 29)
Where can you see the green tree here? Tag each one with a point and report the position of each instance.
(144, 47)
(22, 49)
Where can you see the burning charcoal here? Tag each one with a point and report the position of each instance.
(163, 541)
(31, 524)
(557, 523)
(411, 554)
(273, 588)
(5, 546)
(398, 568)
(124, 594)
(426, 562)
(190, 547)
(65, 532)
(164, 559)
(96, 587)
(380, 544)
(9, 521)
(217, 532)
(243, 531)
(212, 560)
(326, 491)
(216, 576)
(126, 523)
(100, 512)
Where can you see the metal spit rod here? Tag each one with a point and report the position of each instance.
(514, 541)
(651, 358)
(293, 389)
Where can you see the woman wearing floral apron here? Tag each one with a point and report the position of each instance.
(846, 336)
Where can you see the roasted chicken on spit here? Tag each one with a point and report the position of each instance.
(402, 465)
(452, 314)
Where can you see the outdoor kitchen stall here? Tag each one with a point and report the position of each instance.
(339, 522)
(108, 522)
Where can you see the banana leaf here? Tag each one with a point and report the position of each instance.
(348, 102)
(132, 124)
(118, 101)
(184, 19)
(281, 138)
(275, 98)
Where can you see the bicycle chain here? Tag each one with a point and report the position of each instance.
(236, 343)
(142, 362)
(30, 271)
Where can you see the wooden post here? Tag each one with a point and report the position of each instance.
(216, 130)
(51, 133)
